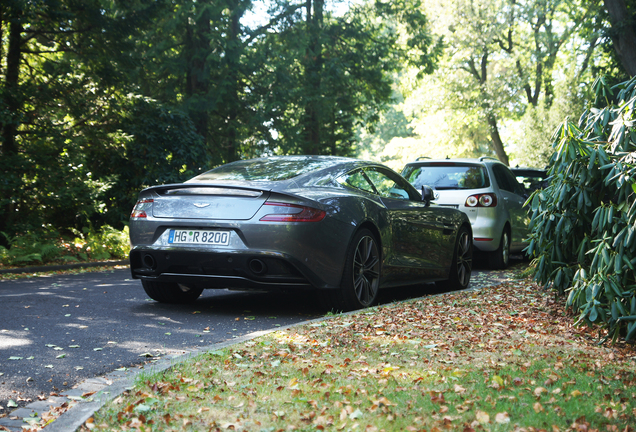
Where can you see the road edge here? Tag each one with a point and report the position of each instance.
(47, 268)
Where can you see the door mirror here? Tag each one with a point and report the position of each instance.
(427, 195)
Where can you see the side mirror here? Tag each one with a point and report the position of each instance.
(427, 195)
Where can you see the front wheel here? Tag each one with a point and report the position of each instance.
(462, 264)
(171, 292)
(499, 259)
(361, 276)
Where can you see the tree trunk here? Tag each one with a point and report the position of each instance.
(197, 77)
(313, 71)
(624, 37)
(496, 139)
(9, 129)
(232, 55)
(11, 97)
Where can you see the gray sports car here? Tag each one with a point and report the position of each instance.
(344, 226)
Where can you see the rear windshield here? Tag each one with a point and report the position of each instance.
(267, 169)
(450, 176)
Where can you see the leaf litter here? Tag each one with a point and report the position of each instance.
(504, 358)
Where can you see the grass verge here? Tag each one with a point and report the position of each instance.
(500, 359)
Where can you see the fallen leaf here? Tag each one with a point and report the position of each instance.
(482, 417)
(356, 414)
(539, 391)
(502, 418)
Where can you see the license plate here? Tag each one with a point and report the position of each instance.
(217, 238)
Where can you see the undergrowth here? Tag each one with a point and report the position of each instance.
(49, 246)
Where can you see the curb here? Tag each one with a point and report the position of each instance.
(37, 269)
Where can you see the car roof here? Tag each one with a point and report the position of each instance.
(329, 166)
(531, 171)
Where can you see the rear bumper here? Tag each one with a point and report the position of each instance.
(228, 269)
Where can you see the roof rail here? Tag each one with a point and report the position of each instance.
(422, 157)
(488, 157)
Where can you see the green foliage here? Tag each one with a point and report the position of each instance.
(105, 244)
(29, 249)
(59, 114)
(583, 225)
(122, 95)
(157, 144)
(530, 136)
(48, 246)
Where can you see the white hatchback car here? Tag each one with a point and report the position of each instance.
(488, 192)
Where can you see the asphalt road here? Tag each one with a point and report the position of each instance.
(57, 331)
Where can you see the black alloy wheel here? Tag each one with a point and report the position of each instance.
(462, 265)
(361, 277)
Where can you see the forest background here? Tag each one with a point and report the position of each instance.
(101, 98)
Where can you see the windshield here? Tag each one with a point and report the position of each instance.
(449, 176)
(265, 169)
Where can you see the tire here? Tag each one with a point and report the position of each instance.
(361, 276)
(171, 292)
(462, 264)
(499, 259)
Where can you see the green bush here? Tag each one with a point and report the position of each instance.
(48, 246)
(106, 244)
(30, 248)
(583, 227)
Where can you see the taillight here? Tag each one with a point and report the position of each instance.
(283, 212)
(482, 200)
(139, 211)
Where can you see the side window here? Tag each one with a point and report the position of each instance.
(356, 180)
(386, 186)
(502, 179)
(516, 186)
